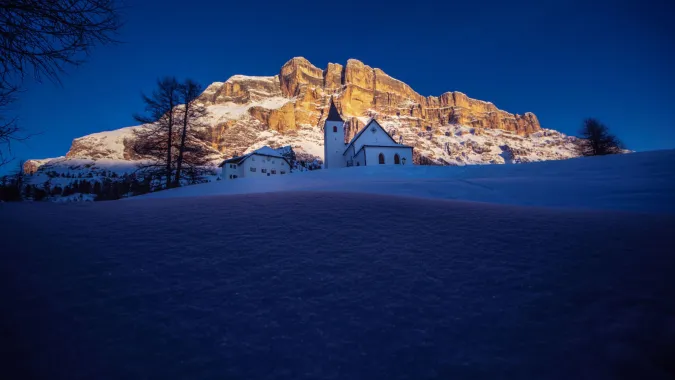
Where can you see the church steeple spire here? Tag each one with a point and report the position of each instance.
(333, 114)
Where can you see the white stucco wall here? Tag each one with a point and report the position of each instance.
(379, 137)
(227, 171)
(334, 145)
(372, 155)
(359, 159)
(267, 163)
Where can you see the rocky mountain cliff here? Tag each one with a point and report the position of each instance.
(247, 112)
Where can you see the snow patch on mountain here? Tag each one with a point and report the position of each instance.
(234, 111)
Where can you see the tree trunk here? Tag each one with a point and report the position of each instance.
(181, 148)
(169, 145)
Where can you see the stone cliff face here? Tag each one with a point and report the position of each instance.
(360, 92)
(364, 91)
(246, 112)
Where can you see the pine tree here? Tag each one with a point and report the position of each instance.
(39, 194)
(57, 190)
(28, 191)
(97, 188)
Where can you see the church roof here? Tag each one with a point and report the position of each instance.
(333, 114)
(365, 127)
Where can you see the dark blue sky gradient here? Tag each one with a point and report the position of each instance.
(562, 60)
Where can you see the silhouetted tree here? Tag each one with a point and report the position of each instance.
(192, 152)
(43, 38)
(142, 187)
(38, 193)
(11, 186)
(170, 140)
(155, 140)
(47, 187)
(597, 141)
(56, 190)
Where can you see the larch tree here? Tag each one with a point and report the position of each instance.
(154, 141)
(171, 141)
(597, 140)
(193, 154)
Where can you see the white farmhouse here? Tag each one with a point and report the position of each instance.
(371, 146)
(263, 162)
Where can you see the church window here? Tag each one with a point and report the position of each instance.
(381, 158)
(397, 159)
(334, 129)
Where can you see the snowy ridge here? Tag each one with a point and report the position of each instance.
(631, 182)
(107, 145)
(239, 77)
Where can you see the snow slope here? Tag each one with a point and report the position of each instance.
(632, 182)
(319, 285)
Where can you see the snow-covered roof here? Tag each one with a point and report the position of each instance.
(264, 151)
(267, 151)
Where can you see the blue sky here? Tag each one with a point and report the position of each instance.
(562, 60)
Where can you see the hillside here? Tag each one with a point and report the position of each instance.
(247, 112)
(630, 182)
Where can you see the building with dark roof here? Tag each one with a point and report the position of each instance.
(372, 145)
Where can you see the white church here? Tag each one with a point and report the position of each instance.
(371, 146)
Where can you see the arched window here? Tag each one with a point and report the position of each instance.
(381, 158)
(397, 159)
(335, 129)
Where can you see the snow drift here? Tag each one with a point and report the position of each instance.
(319, 285)
(632, 182)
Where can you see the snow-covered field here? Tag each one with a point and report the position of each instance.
(632, 182)
(318, 285)
(378, 273)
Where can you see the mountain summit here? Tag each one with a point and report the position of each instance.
(247, 112)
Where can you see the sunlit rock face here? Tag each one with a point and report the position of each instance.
(247, 112)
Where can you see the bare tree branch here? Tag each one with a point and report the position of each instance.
(597, 141)
(43, 37)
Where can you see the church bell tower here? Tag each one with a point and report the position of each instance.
(333, 139)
